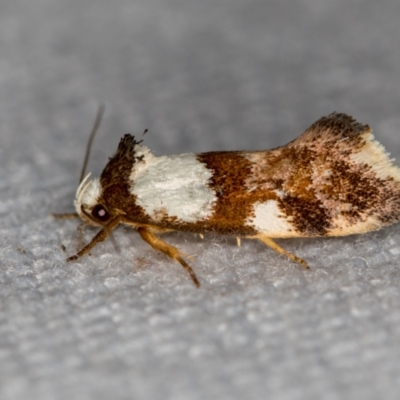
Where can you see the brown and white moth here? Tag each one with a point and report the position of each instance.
(333, 180)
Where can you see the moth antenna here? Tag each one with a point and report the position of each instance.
(96, 125)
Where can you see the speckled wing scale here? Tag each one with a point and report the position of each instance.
(333, 180)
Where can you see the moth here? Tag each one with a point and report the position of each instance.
(333, 180)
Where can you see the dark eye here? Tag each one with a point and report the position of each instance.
(100, 213)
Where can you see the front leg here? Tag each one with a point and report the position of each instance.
(65, 215)
(100, 237)
(171, 251)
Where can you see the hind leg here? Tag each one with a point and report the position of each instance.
(270, 243)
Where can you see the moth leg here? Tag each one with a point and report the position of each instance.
(171, 251)
(65, 215)
(238, 241)
(100, 237)
(270, 243)
(79, 241)
(115, 244)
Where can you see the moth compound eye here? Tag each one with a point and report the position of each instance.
(100, 213)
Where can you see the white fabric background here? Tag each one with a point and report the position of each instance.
(200, 75)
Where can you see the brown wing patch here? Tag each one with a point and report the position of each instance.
(115, 182)
(119, 166)
(331, 130)
(234, 204)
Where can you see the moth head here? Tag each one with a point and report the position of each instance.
(88, 205)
